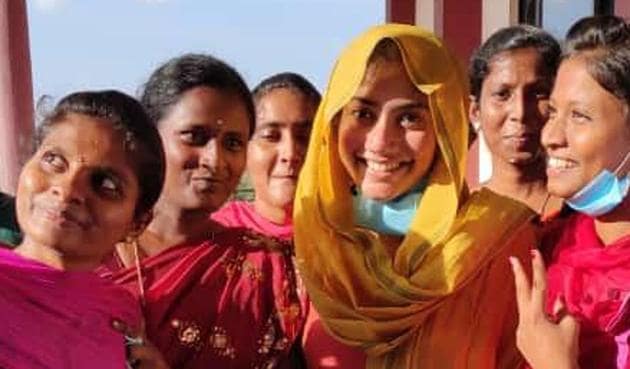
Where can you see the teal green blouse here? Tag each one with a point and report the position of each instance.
(9, 229)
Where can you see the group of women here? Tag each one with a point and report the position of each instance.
(364, 247)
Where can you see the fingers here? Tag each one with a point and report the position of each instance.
(121, 327)
(523, 289)
(127, 330)
(147, 357)
(539, 280)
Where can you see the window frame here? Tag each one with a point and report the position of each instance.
(530, 11)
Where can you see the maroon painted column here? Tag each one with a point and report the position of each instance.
(16, 92)
(462, 27)
(400, 11)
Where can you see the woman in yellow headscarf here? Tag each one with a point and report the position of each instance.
(397, 258)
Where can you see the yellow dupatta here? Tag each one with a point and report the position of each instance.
(445, 300)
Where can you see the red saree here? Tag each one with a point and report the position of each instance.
(594, 280)
(229, 302)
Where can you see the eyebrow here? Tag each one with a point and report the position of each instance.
(365, 101)
(411, 105)
(276, 124)
(414, 105)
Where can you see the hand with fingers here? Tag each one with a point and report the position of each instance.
(544, 343)
(141, 354)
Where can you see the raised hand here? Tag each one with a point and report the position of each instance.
(545, 344)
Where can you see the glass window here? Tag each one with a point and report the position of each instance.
(556, 16)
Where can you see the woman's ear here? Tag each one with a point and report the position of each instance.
(474, 112)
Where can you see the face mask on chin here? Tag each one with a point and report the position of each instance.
(391, 217)
(603, 193)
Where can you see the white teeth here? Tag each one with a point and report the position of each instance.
(557, 163)
(381, 167)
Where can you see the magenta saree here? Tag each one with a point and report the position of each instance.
(55, 319)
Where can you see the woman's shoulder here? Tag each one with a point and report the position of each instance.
(487, 203)
(233, 214)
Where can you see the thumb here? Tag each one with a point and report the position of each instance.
(567, 322)
(570, 326)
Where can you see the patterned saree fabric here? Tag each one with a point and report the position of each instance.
(227, 302)
(445, 299)
(55, 319)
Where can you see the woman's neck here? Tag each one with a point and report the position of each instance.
(173, 225)
(614, 225)
(274, 214)
(526, 184)
(49, 255)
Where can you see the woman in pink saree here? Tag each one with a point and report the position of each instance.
(93, 179)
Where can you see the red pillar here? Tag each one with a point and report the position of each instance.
(16, 94)
(400, 11)
(462, 26)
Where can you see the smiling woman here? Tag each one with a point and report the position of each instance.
(389, 142)
(212, 296)
(578, 315)
(96, 173)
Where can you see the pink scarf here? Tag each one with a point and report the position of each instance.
(243, 214)
(60, 319)
(594, 280)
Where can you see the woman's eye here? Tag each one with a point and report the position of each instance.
(234, 144)
(53, 161)
(409, 120)
(109, 185)
(270, 135)
(106, 185)
(579, 116)
(194, 137)
(362, 114)
(501, 95)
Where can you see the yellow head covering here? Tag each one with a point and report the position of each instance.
(405, 312)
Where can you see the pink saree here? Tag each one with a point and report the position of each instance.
(55, 319)
(594, 280)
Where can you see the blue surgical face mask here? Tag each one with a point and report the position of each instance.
(388, 217)
(603, 193)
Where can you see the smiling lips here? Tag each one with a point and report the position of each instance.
(557, 165)
(63, 217)
(205, 183)
(520, 139)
